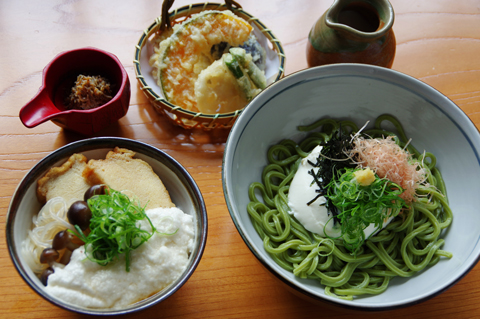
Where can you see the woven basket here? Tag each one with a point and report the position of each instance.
(186, 118)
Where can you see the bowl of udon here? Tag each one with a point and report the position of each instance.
(106, 226)
(346, 183)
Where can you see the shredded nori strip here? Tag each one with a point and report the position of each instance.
(333, 159)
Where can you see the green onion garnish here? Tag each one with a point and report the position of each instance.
(114, 228)
(361, 206)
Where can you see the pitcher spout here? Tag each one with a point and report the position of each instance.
(367, 19)
(353, 31)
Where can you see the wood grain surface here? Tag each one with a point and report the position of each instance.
(438, 42)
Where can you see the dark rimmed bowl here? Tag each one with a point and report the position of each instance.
(183, 190)
(362, 93)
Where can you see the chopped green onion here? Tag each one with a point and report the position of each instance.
(361, 206)
(114, 228)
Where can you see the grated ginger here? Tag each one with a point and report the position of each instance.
(89, 92)
(365, 177)
(390, 161)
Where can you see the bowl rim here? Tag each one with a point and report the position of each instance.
(96, 143)
(316, 72)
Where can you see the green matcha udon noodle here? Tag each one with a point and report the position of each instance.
(408, 244)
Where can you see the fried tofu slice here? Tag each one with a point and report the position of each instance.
(122, 172)
(65, 181)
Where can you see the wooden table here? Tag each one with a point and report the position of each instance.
(438, 42)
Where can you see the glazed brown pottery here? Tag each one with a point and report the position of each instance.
(353, 31)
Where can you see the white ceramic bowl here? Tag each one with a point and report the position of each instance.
(361, 93)
(180, 185)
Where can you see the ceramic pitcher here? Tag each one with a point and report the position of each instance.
(353, 31)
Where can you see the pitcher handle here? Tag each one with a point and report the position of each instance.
(40, 109)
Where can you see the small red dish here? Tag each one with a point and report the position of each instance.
(58, 77)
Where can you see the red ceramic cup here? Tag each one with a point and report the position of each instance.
(58, 77)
